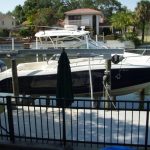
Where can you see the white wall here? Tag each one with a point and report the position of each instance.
(7, 22)
(86, 20)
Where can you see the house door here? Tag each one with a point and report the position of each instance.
(94, 24)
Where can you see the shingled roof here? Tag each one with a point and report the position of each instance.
(83, 11)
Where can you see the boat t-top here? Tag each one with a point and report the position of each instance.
(68, 37)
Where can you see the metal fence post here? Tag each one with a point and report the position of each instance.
(147, 126)
(10, 119)
(64, 123)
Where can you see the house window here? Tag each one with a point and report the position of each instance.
(75, 17)
(2, 22)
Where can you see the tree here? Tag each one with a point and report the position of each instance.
(74, 4)
(24, 32)
(106, 6)
(44, 17)
(47, 12)
(121, 20)
(19, 14)
(143, 15)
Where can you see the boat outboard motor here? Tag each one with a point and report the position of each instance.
(3, 66)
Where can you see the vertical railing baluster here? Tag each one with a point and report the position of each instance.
(132, 123)
(18, 122)
(60, 126)
(10, 119)
(23, 116)
(29, 128)
(71, 126)
(47, 122)
(1, 128)
(147, 126)
(91, 121)
(139, 118)
(41, 121)
(64, 123)
(105, 106)
(77, 122)
(118, 123)
(84, 125)
(53, 116)
(35, 121)
(97, 122)
(125, 123)
(5, 114)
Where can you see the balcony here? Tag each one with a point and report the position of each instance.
(84, 22)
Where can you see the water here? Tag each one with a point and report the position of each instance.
(9, 46)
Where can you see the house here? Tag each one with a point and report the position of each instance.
(88, 17)
(7, 22)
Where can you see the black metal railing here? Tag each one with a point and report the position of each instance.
(85, 121)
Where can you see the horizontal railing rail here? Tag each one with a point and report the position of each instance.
(78, 121)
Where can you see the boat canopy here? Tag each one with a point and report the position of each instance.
(52, 33)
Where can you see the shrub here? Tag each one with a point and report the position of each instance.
(132, 36)
(4, 32)
(24, 32)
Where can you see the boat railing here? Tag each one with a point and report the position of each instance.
(96, 44)
(142, 51)
(80, 62)
(66, 42)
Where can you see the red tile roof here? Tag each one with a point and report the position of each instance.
(83, 11)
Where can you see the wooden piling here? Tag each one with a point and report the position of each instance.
(15, 83)
(107, 83)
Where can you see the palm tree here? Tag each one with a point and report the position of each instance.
(121, 20)
(142, 12)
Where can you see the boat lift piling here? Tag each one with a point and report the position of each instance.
(15, 83)
(107, 80)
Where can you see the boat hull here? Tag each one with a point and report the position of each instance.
(123, 81)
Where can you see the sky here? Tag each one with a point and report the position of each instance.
(131, 4)
(9, 5)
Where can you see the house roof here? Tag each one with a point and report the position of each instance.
(83, 11)
(3, 16)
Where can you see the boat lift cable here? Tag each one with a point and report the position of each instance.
(106, 90)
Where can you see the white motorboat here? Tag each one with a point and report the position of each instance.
(129, 75)
(68, 37)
